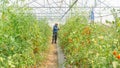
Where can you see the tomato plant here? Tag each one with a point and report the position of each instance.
(89, 45)
(23, 38)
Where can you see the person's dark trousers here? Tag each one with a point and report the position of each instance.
(54, 37)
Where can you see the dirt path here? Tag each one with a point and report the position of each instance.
(51, 60)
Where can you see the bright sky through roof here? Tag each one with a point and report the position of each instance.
(55, 13)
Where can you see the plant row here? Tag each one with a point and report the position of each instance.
(89, 45)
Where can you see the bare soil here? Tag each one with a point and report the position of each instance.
(51, 60)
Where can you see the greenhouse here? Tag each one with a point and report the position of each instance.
(59, 33)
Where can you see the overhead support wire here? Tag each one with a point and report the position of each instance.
(30, 2)
(57, 5)
(105, 15)
(38, 3)
(61, 4)
(77, 7)
(104, 4)
(50, 9)
(69, 9)
(66, 3)
(49, 6)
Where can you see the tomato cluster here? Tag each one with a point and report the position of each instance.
(88, 44)
(115, 53)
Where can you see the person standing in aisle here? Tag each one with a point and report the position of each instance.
(55, 31)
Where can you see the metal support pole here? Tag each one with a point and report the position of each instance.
(69, 9)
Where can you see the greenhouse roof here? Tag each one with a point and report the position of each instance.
(62, 9)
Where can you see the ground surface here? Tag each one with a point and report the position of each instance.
(51, 59)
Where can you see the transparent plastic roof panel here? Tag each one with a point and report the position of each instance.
(62, 9)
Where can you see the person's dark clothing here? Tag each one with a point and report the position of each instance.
(54, 37)
(55, 28)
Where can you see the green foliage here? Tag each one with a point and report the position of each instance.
(23, 39)
(89, 45)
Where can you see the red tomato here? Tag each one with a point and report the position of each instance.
(118, 56)
(114, 52)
